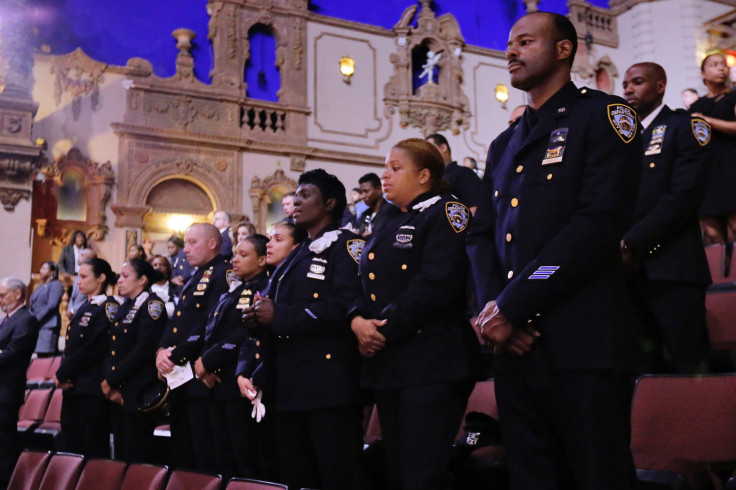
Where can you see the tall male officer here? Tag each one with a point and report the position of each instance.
(663, 251)
(546, 250)
(18, 333)
(464, 183)
(182, 342)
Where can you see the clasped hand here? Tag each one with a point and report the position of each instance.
(261, 312)
(501, 335)
(370, 340)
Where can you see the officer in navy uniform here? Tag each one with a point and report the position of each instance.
(546, 249)
(464, 183)
(128, 370)
(85, 421)
(182, 342)
(181, 270)
(423, 357)
(316, 361)
(663, 250)
(234, 430)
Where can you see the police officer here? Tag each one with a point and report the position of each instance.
(663, 250)
(546, 246)
(422, 355)
(181, 345)
(234, 430)
(85, 421)
(316, 362)
(135, 330)
(181, 270)
(372, 219)
(464, 183)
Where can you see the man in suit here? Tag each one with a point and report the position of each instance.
(18, 334)
(545, 247)
(222, 223)
(663, 250)
(182, 342)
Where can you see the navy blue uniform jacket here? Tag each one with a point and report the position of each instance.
(413, 274)
(666, 235)
(546, 243)
(185, 330)
(130, 363)
(224, 335)
(316, 353)
(86, 345)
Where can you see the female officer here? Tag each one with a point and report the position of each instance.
(234, 430)
(315, 361)
(85, 423)
(718, 108)
(284, 238)
(129, 365)
(422, 355)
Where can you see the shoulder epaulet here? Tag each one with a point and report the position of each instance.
(421, 206)
(458, 215)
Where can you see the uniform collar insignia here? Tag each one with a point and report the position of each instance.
(323, 243)
(98, 300)
(421, 206)
(141, 299)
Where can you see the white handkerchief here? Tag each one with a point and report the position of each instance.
(179, 375)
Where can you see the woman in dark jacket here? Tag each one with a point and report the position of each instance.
(422, 357)
(44, 303)
(85, 424)
(129, 363)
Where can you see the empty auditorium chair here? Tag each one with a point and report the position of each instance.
(44, 436)
(29, 470)
(34, 409)
(55, 363)
(716, 255)
(101, 474)
(37, 371)
(190, 480)
(246, 484)
(144, 477)
(685, 425)
(62, 472)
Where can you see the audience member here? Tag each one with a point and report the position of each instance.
(244, 230)
(44, 303)
(464, 183)
(222, 223)
(181, 270)
(69, 260)
(164, 289)
(374, 217)
(77, 299)
(287, 204)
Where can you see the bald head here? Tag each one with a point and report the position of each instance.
(202, 243)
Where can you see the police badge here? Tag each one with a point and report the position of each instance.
(623, 120)
(155, 308)
(355, 248)
(458, 215)
(316, 271)
(701, 131)
(111, 309)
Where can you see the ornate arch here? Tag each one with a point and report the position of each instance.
(260, 194)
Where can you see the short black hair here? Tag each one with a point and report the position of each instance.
(329, 186)
(259, 243)
(374, 179)
(99, 267)
(144, 268)
(439, 140)
(564, 30)
(177, 240)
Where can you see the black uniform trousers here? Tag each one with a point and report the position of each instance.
(418, 426)
(85, 425)
(669, 315)
(191, 432)
(133, 435)
(235, 438)
(9, 444)
(566, 430)
(326, 440)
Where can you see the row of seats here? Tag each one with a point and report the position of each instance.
(41, 372)
(722, 270)
(37, 470)
(39, 419)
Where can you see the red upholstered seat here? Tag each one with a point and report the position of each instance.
(716, 255)
(684, 424)
(29, 470)
(144, 477)
(62, 472)
(720, 309)
(53, 367)
(101, 474)
(34, 409)
(245, 484)
(51, 423)
(38, 370)
(190, 480)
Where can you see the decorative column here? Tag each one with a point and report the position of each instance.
(19, 157)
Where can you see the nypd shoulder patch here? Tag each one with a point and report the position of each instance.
(623, 120)
(111, 309)
(458, 215)
(355, 248)
(701, 130)
(155, 308)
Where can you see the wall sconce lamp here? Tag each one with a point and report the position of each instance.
(347, 68)
(502, 94)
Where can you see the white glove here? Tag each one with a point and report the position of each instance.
(259, 409)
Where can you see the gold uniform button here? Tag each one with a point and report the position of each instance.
(183, 296)
(419, 331)
(316, 295)
(403, 267)
(67, 337)
(371, 276)
(514, 202)
(81, 335)
(328, 356)
(508, 237)
(585, 90)
(510, 274)
(175, 330)
(495, 194)
(125, 331)
(258, 343)
(652, 165)
(371, 256)
(258, 356)
(178, 313)
(519, 169)
(113, 337)
(373, 297)
(113, 368)
(197, 305)
(113, 353)
(217, 313)
(117, 323)
(549, 176)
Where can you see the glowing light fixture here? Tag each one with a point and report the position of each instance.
(347, 68)
(502, 94)
(178, 223)
(730, 60)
